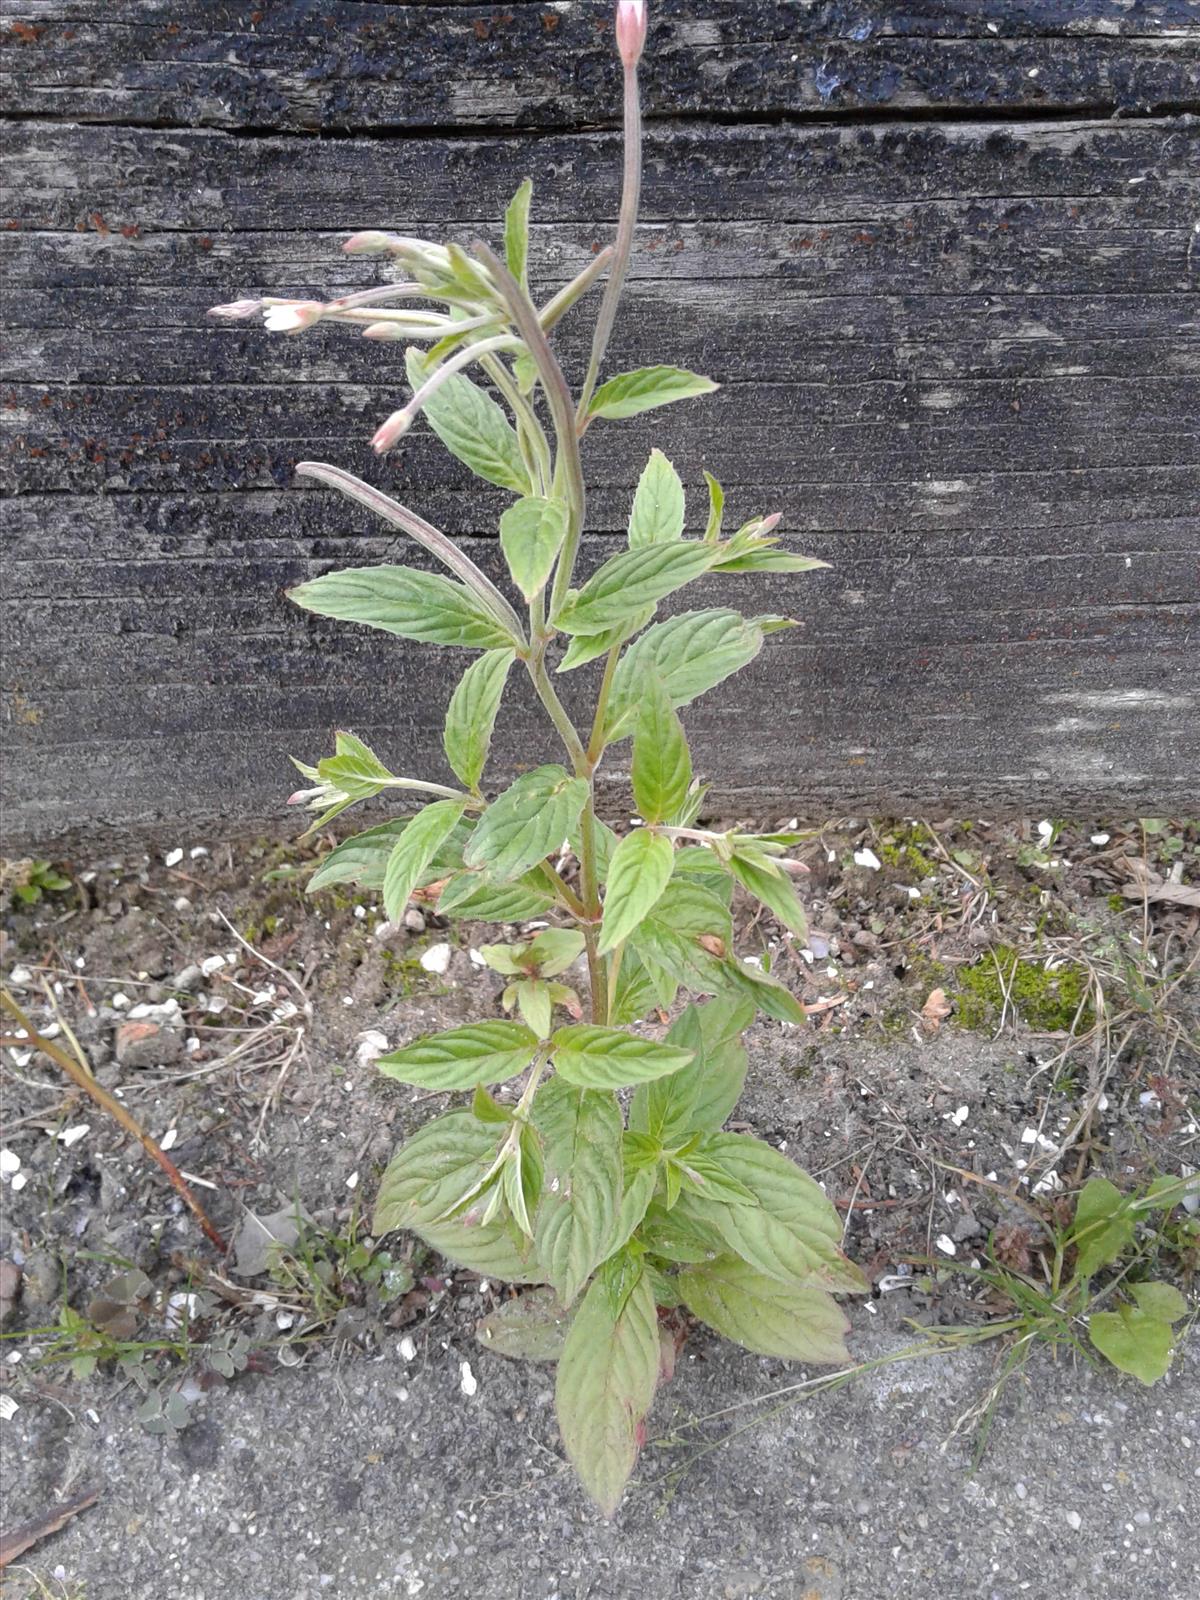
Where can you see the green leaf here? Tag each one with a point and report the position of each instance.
(473, 427)
(531, 535)
(581, 1197)
(355, 769)
(430, 1174)
(470, 895)
(771, 885)
(416, 605)
(553, 950)
(764, 1315)
(636, 990)
(585, 647)
(716, 509)
(701, 1096)
(639, 1191)
(531, 1327)
(691, 653)
(619, 591)
(1161, 1300)
(534, 1000)
(607, 1375)
(794, 1233)
(471, 715)
(527, 823)
(1103, 1228)
(630, 393)
(770, 561)
(1134, 1342)
(480, 1052)
(658, 505)
(767, 993)
(516, 233)
(637, 875)
(495, 1250)
(363, 858)
(609, 1058)
(685, 1233)
(662, 763)
(408, 865)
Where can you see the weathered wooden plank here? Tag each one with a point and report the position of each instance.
(959, 354)
(348, 66)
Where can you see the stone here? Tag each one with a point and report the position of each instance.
(148, 1044)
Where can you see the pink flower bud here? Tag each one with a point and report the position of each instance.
(292, 317)
(391, 432)
(368, 243)
(237, 310)
(631, 30)
(385, 330)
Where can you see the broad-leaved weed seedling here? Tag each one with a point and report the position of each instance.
(620, 1203)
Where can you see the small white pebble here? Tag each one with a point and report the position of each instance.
(347, 999)
(19, 1180)
(1098, 838)
(371, 1045)
(408, 1349)
(10, 1162)
(437, 959)
(360, 913)
(284, 1320)
(197, 851)
(1074, 1520)
(20, 976)
(946, 1244)
(469, 1383)
(867, 858)
(120, 1002)
(182, 903)
(352, 1181)
(1029, 1136)
(173, 858)
(211, 964)
(913, 894)
(167, 1142)
(8, 1407)
(70, 1136)
(1045, 831)
(476, 958)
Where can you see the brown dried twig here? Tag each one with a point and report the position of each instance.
(83, 1079)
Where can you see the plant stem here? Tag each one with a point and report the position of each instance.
(536, 664)
(630, 198)
(80, 1076)
(597, 741)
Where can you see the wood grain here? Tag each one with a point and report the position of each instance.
(943, 259)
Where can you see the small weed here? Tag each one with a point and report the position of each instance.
(25, 882)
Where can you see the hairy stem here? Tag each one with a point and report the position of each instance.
(630, 198)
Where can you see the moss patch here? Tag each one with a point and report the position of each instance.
(1048, 1001)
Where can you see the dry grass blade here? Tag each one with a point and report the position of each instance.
(16, 1543)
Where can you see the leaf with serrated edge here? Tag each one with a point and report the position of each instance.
(609, 1058)
(516, 232)
(775, 889)
(430, 1173)
(691, 653)
(415, 605)
(530, 1327)
(607, 1375)
(700, 1097)
(637, 875)
(480, 1052)
(581, 1192)
(493, 1249)
(764, 1315)
(527, 823)
(662, 762)
(659, 506)
(470, 895)
(471, 715)
(585, 647)
(619, 590)
(531, 535)
(472, 426)
(794, 1233)
(630, 393)
(408, 864)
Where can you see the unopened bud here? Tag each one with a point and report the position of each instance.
(386, 330)
(236, 310)
(368, 243)
(293, 316)
(391, 432)
(631, 30)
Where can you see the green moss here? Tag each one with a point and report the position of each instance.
(1048, 1001)
(1117, 902)
(901, 848)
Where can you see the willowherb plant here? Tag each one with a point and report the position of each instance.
(620, 1204)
